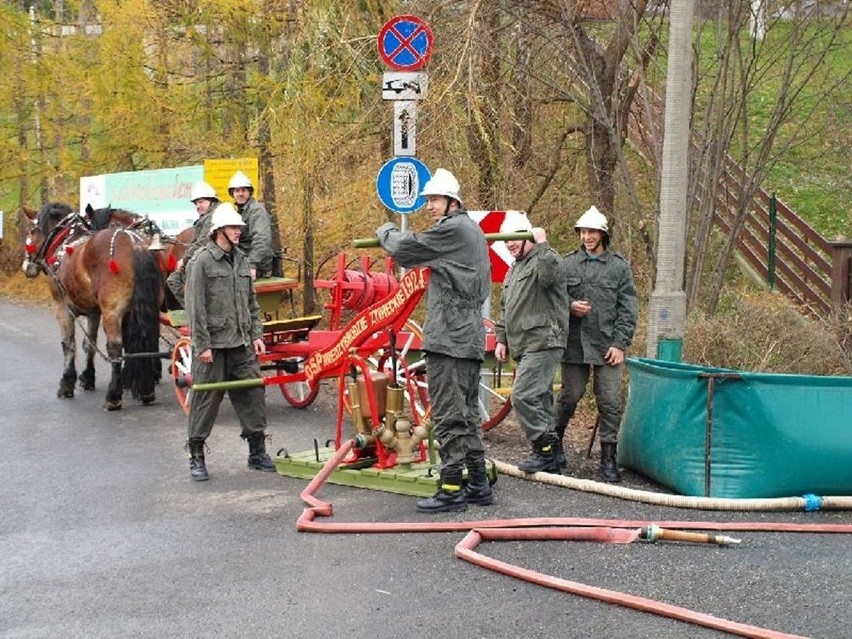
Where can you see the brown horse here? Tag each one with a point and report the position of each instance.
(173, 248)
(107, 276)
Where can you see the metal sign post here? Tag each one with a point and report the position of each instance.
(404, 45)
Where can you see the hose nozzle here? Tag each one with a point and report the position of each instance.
(655, 533)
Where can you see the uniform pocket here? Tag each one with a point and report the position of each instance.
(529, 323)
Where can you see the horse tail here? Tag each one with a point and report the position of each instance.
(141, 326)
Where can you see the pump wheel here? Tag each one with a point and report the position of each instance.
(495, 382)
(297, 394)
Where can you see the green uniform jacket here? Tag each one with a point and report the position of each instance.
(256, 240)
(221, 307)
(456, 252)
(534, 305)
(201, 226)
(607, 283)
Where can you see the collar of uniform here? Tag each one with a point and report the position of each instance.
(216, 251)
(455, 214)
(536, 248)
(602, 257)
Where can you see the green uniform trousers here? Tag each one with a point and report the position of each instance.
(249, 403)
(532, 391)
(607, 385)
(454, 397)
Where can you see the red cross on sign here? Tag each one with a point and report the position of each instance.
(405, 43)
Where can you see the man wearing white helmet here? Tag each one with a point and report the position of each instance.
(532, 328)
(256, 242)
(604, 310)
(455, 250)
(204, 197)
(227, 339)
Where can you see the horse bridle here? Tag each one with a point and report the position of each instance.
(58, 235)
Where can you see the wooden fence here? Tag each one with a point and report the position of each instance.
(780, 246)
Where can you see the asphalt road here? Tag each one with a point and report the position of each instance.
(103, 534)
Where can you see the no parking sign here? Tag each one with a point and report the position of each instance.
(405, 43)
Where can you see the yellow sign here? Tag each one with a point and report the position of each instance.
(218, 172)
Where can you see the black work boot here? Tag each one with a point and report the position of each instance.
(559, 451)
(609, 467)
(197, 467)
(478, 489)
(543, 458)
(257, 458)
(450, 497)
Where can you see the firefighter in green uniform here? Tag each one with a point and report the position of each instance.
(227, 339)
(256, 242)
(455, 250)
(204, 197)
(604, 310)
(532, 329)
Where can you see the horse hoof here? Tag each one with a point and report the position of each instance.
(148, 399)
(87, 387)
(64, 393)
(110, 406)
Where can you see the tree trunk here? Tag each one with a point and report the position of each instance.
(483, 109)
(309, 294)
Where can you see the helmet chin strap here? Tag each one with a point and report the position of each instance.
(227, 239)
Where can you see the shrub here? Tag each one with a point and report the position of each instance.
(762, 331)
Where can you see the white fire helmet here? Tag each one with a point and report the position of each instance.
(202, 190)
(240, 180)
(443, 183)
(515, 221)
(592, 219)
(225, 215)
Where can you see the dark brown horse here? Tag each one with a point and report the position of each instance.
(105, 276)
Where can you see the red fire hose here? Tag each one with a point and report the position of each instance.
(554, 528)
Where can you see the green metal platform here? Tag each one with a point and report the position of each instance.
(419, 480)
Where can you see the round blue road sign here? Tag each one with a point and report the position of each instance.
(399, 183)
(405, 43)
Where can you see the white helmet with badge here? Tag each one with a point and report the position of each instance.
(515, 221)
(240, 180)
(202, 190)
(592, 219)
(225, 215)
(443, 183)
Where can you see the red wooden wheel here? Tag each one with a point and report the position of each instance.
(495, 384)
(298, 394)
(181, 369)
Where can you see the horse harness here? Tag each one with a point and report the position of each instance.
(62, 240)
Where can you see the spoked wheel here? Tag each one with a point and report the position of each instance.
(297, 394)
(495, 382)
(495, 386)
(182, 372)
(495, 395)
